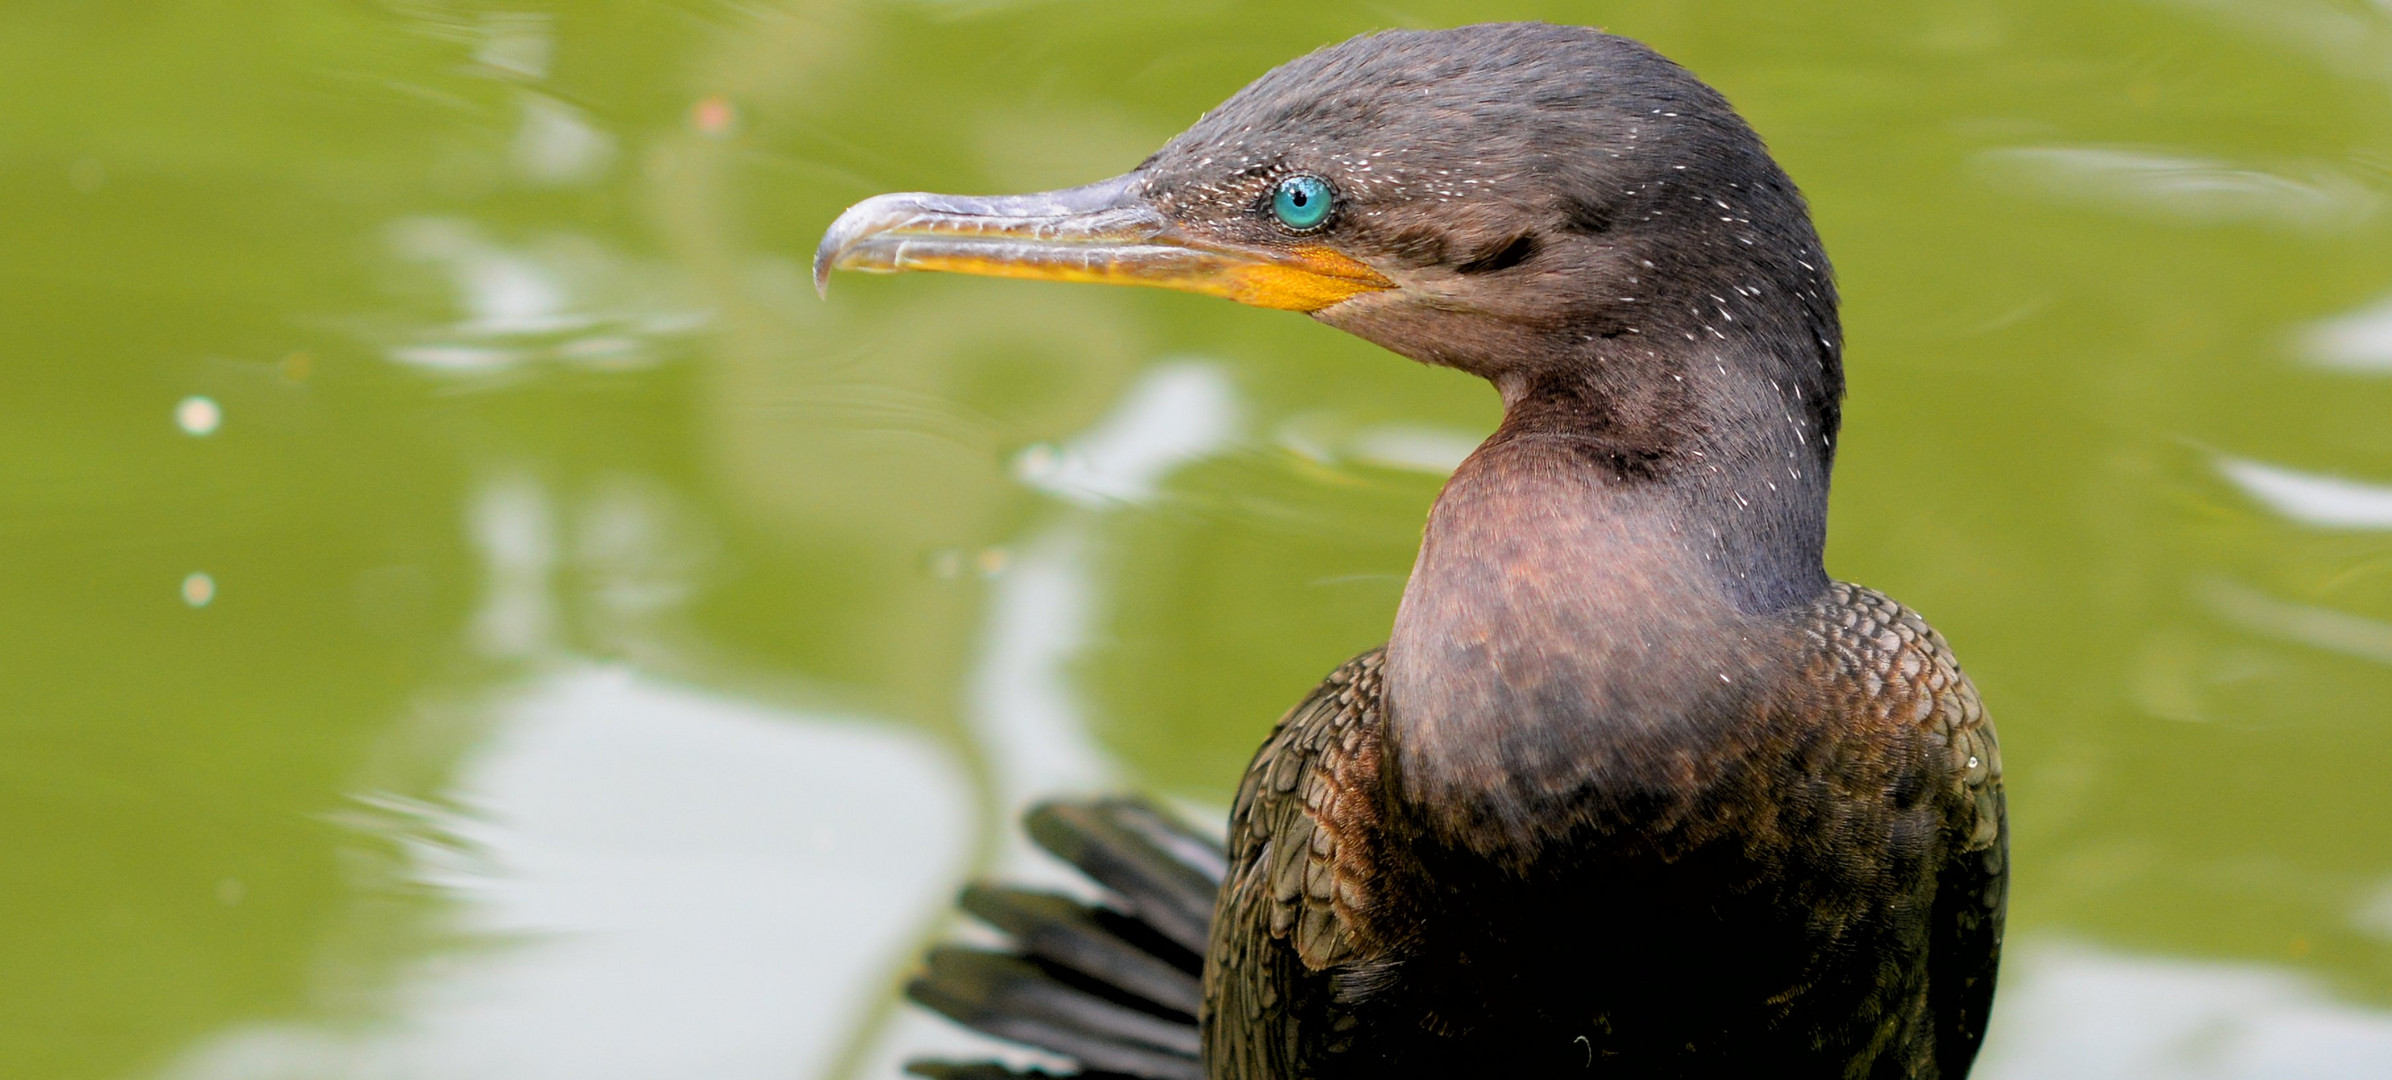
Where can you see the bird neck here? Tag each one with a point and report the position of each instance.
(1596, 583)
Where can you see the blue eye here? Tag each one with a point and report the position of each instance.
(1301, 202)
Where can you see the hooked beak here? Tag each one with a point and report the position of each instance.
(1104, 232)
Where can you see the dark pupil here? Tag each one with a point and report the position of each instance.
(1297, 195)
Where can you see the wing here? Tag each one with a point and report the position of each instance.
(1905, 673)
(1302, 862)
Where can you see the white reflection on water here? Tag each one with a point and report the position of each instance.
(2341, 36)
(661, 882)
(2359, 341)
(2180, 187)
(646, 879)
(632, 552)
(1325, 437)
(560, 297)
(1022, 703)
(556, 145)
(516, 45)
(2327, 502)
(512, 524)
(1176, 414)
(1438, 451)
(2373, 916)
(2323, 628)
(2070, 1012)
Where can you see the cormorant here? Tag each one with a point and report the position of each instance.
(1634, 789)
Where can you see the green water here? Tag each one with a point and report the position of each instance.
(416, 704)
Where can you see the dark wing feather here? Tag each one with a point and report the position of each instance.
(1301, 867)
(1099, 945)
(1163, 874)
(1905, 674)
(1013, 998)
(1112, 986)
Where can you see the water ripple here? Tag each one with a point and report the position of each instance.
(2181, 187)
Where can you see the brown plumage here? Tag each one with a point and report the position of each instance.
(1881, 739)
(1634, 788)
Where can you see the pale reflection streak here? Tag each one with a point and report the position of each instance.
(2342, 37)
(2179, 186)
(1021, 703)
(512, 524)
(2358, 342)
(2373, 913)
(2334, 631)
(2355, 44)
(2075, 1012)
(658, 881)
(2317, 501)
(2312, 499)
(1325, 438)
(555, 145)
(1023, 706)
(560, 298)
(1177, 413)
(1412, 448)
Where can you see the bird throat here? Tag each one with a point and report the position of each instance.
(1583, 621)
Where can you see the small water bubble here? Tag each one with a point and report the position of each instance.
(198, 416)
(992, 561)
(199, 589)
(714, 115)
(1972, 761)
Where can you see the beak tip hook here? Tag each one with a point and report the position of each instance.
(822, 271)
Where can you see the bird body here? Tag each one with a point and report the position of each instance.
(1784, 887)
(1634, 788)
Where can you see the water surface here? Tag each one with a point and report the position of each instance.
(472, 611)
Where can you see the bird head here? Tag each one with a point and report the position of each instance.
(1521, 201)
